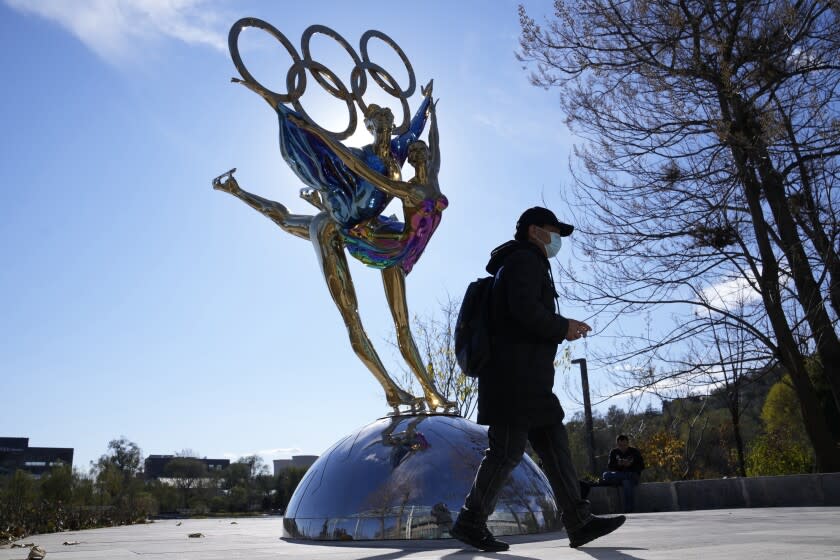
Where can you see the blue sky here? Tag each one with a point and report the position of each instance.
(137, 301)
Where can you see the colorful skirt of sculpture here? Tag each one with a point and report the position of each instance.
(348, 198)
(385, 242)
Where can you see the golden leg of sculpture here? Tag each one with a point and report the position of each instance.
(394, 281)
(296, 224)
(329, 248)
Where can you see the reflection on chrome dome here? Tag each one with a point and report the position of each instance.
(405, 477)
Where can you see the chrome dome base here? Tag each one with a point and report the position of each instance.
(406, 477)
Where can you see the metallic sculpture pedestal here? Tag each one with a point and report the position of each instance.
(405, 477)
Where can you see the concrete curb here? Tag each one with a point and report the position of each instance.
(802, 490)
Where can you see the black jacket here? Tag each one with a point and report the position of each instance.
(637, 464)
(517, 387)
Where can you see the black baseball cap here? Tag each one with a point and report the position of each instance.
(539, 216)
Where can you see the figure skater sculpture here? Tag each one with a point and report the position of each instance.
(351, 187)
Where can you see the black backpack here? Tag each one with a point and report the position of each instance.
(473, 338)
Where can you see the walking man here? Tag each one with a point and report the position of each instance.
(515, 397)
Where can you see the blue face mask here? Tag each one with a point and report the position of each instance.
(553, 246)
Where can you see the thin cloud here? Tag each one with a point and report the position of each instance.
(731, 293)
(279, 451)
(266, 454)
(117, 29)
(700, 383)
(525, 128)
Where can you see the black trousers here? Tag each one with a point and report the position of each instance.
(507, 445)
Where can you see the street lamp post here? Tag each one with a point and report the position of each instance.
(587, 411)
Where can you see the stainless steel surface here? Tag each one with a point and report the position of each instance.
(405, 477)
(296, 74)
(351, 188)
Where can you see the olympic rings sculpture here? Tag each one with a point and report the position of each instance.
(326, 78)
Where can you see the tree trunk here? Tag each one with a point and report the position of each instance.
(734, 402)
(808, 291)
(739, 447)
(808, 217)
(826, 450)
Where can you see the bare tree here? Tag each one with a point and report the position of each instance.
(724, 359)
(435, 338)
(684, 435)
(720, 368)
(733, 376)
(712, 158)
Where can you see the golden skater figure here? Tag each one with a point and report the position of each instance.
(392, 246)
(379, 242)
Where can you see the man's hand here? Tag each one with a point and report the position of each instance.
(577, 329)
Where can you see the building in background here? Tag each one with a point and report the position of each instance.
(15, 454)
(298, 461)
(155, 465)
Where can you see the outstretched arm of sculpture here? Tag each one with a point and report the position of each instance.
(296, 224)
(434, 143)
(262, 92)
(399, 145)
(400, 189)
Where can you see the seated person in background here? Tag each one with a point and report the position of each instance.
(625, 468)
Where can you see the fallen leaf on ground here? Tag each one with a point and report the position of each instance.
(196, 535)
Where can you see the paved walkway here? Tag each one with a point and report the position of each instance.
(780, 534)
